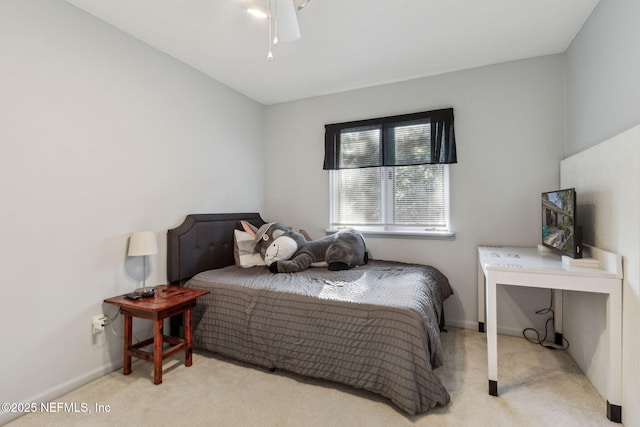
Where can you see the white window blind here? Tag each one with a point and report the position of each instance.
(398, 197)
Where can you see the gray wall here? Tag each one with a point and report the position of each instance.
(596, 174)
(603, 75)
(603, 100)
(100, 136)
(509, 128)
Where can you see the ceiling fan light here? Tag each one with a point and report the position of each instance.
(258, 12)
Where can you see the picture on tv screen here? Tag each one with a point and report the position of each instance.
(558, 222)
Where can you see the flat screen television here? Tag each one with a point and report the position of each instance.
(560, 231)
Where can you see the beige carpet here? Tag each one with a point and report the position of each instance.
(538, 387)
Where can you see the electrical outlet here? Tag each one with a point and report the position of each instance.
(98, 323)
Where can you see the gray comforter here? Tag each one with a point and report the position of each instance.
(374, 327)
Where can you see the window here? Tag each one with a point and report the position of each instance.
(391, 174)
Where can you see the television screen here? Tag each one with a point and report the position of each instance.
(559, 230)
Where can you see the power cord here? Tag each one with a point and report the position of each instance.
(161, 291)
(543, 341)
(108, 322)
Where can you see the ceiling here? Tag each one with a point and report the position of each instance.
(345, 44)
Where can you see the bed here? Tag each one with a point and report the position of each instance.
(375, 327)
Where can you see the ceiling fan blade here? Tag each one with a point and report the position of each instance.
(303, 4)
(287, 20)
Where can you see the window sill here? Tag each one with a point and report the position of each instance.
(427, 234)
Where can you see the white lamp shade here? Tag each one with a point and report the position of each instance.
(143, 243)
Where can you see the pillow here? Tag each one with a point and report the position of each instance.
(244, 252)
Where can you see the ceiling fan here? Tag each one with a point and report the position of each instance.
(283, 20)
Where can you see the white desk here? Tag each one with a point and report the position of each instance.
(528, 267)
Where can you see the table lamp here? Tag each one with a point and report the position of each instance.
(143, 243)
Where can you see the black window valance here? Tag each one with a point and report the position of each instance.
(409, 139)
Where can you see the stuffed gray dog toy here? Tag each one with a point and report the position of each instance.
(287, 251)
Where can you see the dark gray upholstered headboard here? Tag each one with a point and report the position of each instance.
(203, 242)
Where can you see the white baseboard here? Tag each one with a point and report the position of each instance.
(62, 389)
(465, 324)
(462, 324)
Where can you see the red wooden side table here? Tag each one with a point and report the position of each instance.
(167, 302)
